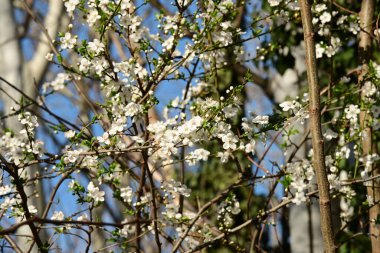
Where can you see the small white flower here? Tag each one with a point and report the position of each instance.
(69, 134)
(250, 147)
(325, 17)
(5, 190)
(127, 194)
(370, 200)
(354, 27)
(168, 44)
(369, 89)
(262, 120)
(225, 25)
(352, 112)
(104, 138)
(299, 198)
(92, 17)
(132, 109)
(117, 126)
(229, 141)
(201, 154)
(290, 105)
(58, 215)
(71, 184)
(58, 83)
(32, 209)
(84, 65)
(127, 230)
(376, 32)
(223, 156)
(49, 56)
(319, 50)
(320, 7)
(230, 111)
(95, 193)
(273, 3)
(330, 134)
(71, 156)
(347, 211)
(83, 217)
(334, 47)
(70, 6)
(8, 202)
(95, 47)
(68, 41)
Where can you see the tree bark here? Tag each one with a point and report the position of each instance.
(316, 131)
(24, 75)
(11, 70)
(365, 54)
(10, 63)
(36, 68)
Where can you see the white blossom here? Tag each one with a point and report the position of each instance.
(320, 7)
(229, 141)
(84, 65)
(330, 134)
(289, 105)
(369, 89)
(82, 217)
(92, 17)
(68, 41)
(5, 190)
(95, 47)
(250, 147)
(319, 50)
(299, 198)
(127, 230)
(201, 154)
(104, 138)
(132, 109)
(32, 209)
(58, 215)
(69, 134)
(49, 56)
(168, 44)
(70, 6)
(262, 120)
(352, 112)
(95, 193)
(127, 194)
(370, 200)
(325, 17)
(274, 3)
(7, 203)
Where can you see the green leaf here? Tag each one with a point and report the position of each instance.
(286, 181)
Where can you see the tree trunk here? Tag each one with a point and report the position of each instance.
(373, 187)
(11, 70)
(316, 130)
(24, 76)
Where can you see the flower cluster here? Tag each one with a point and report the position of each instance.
(121, 157)
(226, 210)
(302, 178)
